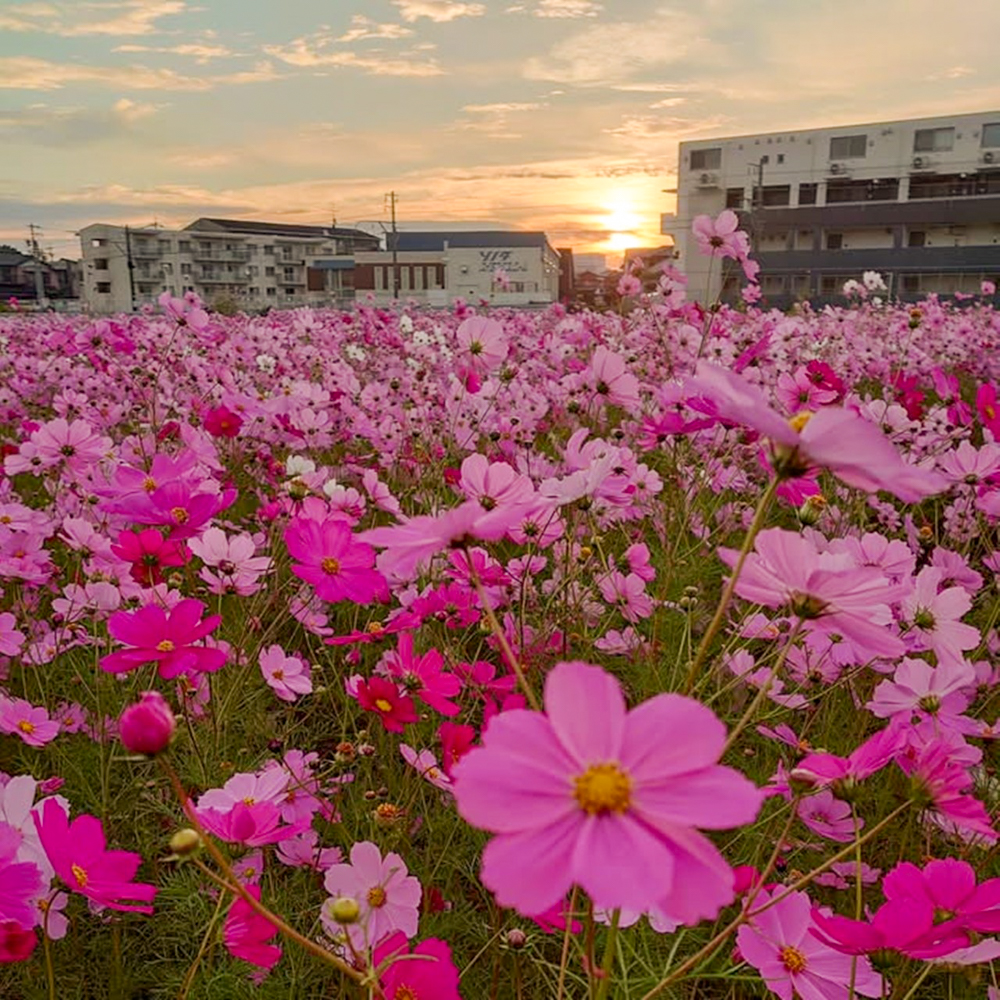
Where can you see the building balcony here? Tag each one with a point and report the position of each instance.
(221, 255)
(984, 258)
(222, 277)
(146, 251)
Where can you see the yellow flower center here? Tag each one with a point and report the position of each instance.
(6, 519)
(80, 874)
(179, 514)
(149, 484)
(26, 727)
(375, 628)
(405, 993)
(249, 800)
(792, 959)
(603, 788)
(165, 646)
(330, 565)
(800, 420)
(278, 675)
(382, 705)
(376, 896)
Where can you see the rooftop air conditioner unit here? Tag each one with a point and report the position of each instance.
(989, 157)
(921, 163)
(838, 168)
(708, 180)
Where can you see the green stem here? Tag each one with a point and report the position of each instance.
(50, 970)
(912, 991)
(567, 933)
(609, 956)
(193, 971)
(727, 595)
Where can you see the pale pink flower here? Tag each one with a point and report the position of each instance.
(287, 676)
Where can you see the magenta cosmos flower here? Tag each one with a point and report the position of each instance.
(431, 974)
(164, 637)
(339, 567)
(246, 933)
(591, 794)
(852, 448)
(77, 853)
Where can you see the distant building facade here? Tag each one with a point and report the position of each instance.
(917, 200)
(249, 264)
(60, 278)
(438, 267)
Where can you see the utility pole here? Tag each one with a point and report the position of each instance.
(131, 270)
(395, 256)
(756, 204)
(40, 297)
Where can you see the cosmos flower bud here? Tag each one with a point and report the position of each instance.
(186, 842)
(516, 938)
(345, 910)
(147, 726)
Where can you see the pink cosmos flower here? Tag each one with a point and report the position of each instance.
(20, 881)
(799, 391)
(11, 640)
(77, 853)
(852, 448)
(432, 974)
(481, 343)
(334, 561)
(222, 422)
(165, 638)
(871, 756)
(918, 688)
(988, 408)
(591, 794)
(178, 505)
(246, 933)
(426, 765)
(238, 569)
(29, 723)
(779, 944)
(943, 784)
(422, 675)
(721, 237)
(825, 589)
(628, 594)
(250, 823)
(493, 484)
(287, 676)
(611, 380)
(828, 816)
(76, 443)
(388, 895)
(933, 617)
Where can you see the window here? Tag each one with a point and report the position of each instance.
(807, 194)
(288, 273)
(98, 243)
(830, 284)
(848, 147)
(734, 197)
(184, 246)
(271, 291)
(168, 268)
(104, 288)
(781, 157)
(777, 194)
(268, 272)
(289, 293)
(991, 135)
(916, 238)
(911, 284)
(835, 241)
(185, 268)
(933, 140)
(706, 159)
(101, 263)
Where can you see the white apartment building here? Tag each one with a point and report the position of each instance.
(917, 201)
(248, 264)
(437, 267)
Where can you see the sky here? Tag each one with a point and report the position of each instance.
(558, 115)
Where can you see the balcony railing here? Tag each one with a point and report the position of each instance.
(214, 253)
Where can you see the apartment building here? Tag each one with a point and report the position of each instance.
(437, 267)
(916, 200)
(246, 263)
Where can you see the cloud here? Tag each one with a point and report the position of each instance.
(28, 73)
(363, 28)
(72, 18)
(309, 52)
(200, 53)
(438, 10)
(492, 119)
(613, 54)
(568, 8)
(501, 107)
(71, 126)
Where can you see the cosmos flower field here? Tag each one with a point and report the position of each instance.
(489, 654)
